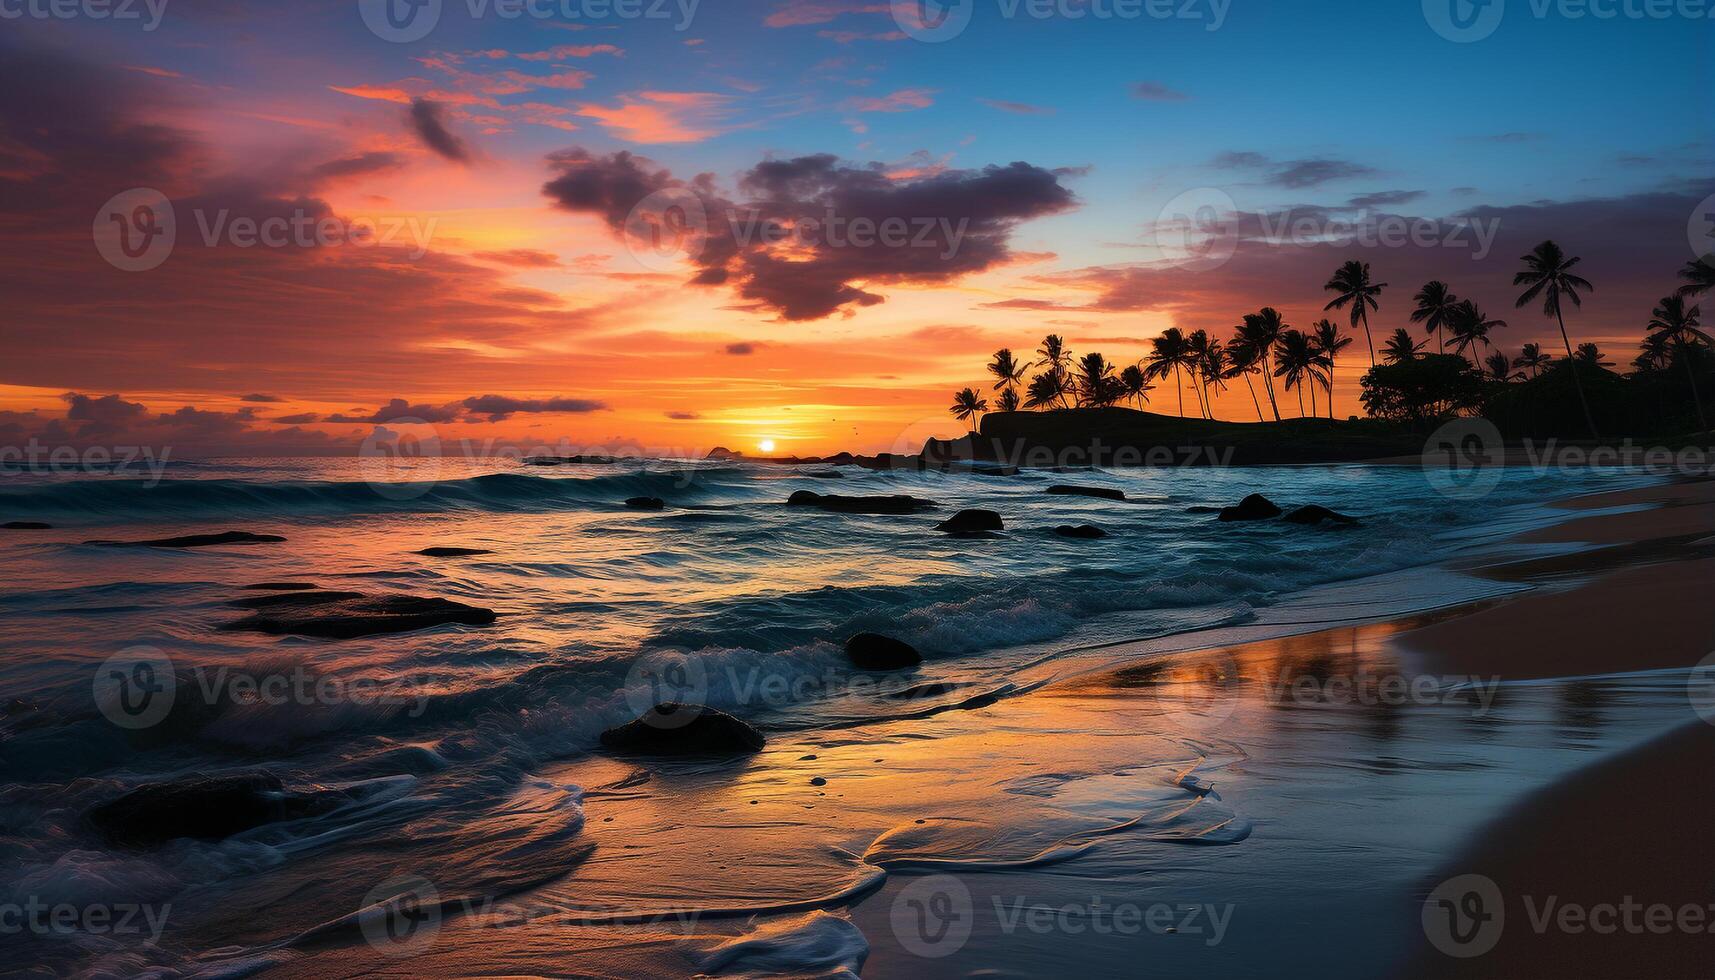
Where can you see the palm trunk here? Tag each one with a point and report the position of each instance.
(1268, 385)
(1179, 386)
(1577, 382)
(1367, 338)
(1252, 389)
(1301, 401)
(1691, 375)
(1313, 410)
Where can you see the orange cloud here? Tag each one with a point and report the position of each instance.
(659, 117)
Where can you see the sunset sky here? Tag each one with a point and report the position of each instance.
(510, 151)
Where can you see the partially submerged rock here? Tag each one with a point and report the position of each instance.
(1255, 507)
(453, 552)
(873, 651)
(345, 615)
(826, 475)
(1315, 514)
(1069, 490)
(994, 470)
(204, 809)
(684, 729)
(195, 540)
(835, 503)
(1088, 531)
(645, 503)
(968, 521)
(568, 460)
(281, 586)
(26, 526)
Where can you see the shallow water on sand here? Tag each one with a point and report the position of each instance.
(475, 773)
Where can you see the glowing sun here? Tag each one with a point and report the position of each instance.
(766, 445)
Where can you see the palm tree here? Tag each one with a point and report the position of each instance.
(1169, 352)
(1470, 326)
(1213, 367)
(1532, 359)
(1547, 271)
(1056, 358)
(1296, 361)
(1094, 379)
(1008, 372)
(1434, 302)
(1499, 367)
(1263, 329)
(1671, 320)
(1352, 282)
(1243, 360)
(1329, 344)
(1654, 354)
(1008, 401)
(1135, 385)
(1043, 390)
(1592, 355)
(967, 405)
(1699, 276)
(1400, 347)
(1196, 347)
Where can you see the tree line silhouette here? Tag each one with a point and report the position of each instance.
(1404, 384)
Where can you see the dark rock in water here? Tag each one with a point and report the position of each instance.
(344, 615)
(684, 729)
(994, 470)
(872, 651)
(976, 535)
(1067, 490)
(26, 526)
(1080, 531)
(1255, 507)
(569, 460)
(923, 691)
(645, 503)
(281, 586)
(972, 520)
(827, 475)
(818, 781)
(195, 540)
(722, 452)
(204, 809)
(1314, 514)
(895, 504)
(1203, 509)
(453, 552)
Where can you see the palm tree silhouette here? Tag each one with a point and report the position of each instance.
(1056, 358)
(1095, 380)
(1196, 348)
(1532, 359)
(1470, 326)
(1007, 374)
(1352, 282)
(1043, 389)
(1169, 352)
(1135, 385)
(1699, 276)
(1679, 326)
(1400, 347)
(1654, 354)
(1588, 353)
(1008, 401)
(1296, 362)
(1434, 301)
(1263, 329)
(1499, 367)
(1547, 271)
(1243, 360)
(1212, 365)
(967, 405)
(1326, 337)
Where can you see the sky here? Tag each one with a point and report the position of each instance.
(469, 198)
